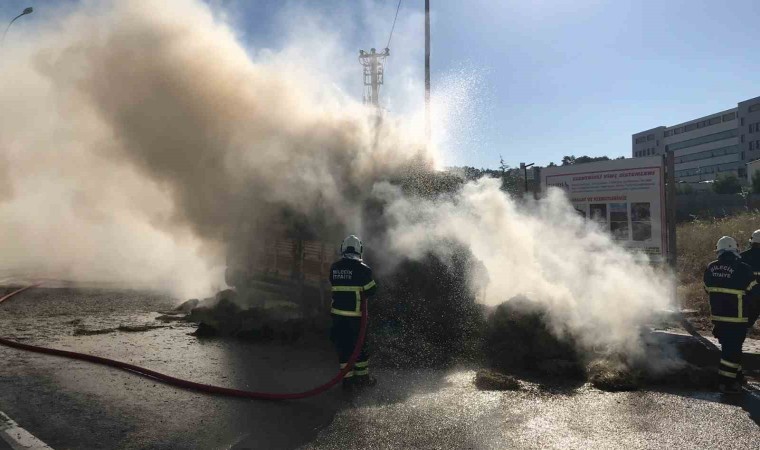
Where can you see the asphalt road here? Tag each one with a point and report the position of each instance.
(71, 404)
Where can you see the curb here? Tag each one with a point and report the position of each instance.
(17, 437)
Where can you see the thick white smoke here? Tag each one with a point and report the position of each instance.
(134, 135)
(596, 291)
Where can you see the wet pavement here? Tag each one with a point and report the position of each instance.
(72, 404)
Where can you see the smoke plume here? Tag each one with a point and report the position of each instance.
(136, 135)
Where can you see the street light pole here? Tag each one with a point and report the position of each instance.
(26, 11)
(427, 73)
(524, 167)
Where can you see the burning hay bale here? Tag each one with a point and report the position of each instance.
(683, 375)
(517, 337)
(223, 316)
(613, 376)
(489, 380)
(425, 314)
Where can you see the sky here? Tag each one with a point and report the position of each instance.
(530, 81)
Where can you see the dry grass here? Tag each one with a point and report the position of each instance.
(696, 248)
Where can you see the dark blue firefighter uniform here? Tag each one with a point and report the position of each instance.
(729, 283)
(351, 279)
(752, 258)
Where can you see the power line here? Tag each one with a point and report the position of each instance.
(394, 25)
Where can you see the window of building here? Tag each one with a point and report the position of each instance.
(641, 139)
(751, 145)
(707, 154)
(742, 138)
(751, 128)
(690, 127)
(650, 137)
(729, 116)
(678, 130)
(714, 120)
(704, 139)
(755, 107)
(669, 133)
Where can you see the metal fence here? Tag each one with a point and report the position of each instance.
(705, 205)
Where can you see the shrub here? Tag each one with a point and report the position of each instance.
(727, 184)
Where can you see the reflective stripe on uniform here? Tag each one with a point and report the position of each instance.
(341, 312)
(361, 368)
(729, 319)
(718, 290)
(739, 304)
(348, 374)
(751, 285)
(730, 364)
(357, 312)
(727, 374)
(757, 274)
(346, 288)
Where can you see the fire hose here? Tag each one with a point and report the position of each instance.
(200, 387)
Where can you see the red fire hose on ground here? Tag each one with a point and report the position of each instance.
(185, 384)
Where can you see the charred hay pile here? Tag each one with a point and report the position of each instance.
(423, 316)
(518, 340)
(426, 314)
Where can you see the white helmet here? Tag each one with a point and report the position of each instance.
(755, 239)
(727, 244)
(352, 245)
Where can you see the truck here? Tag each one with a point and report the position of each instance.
(281, 264)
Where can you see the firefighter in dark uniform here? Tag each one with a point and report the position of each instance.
(752, 258)
(352, 283)
(729, 283)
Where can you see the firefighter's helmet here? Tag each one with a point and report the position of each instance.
(755, 239)
(727, 244)
(352, 245)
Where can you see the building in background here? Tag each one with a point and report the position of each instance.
(707, 147)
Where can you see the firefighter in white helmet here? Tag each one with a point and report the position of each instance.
(352, 283)
(751, 256)
(730, 284)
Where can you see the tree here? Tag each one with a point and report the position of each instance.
(684, 188)
(727, 184)
(756, 182)
(510, 178)
(571, 160)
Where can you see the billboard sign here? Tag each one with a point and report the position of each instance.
(625, 196)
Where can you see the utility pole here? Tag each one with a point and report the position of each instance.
(524, 168)
(373, 63)
(427, 73)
